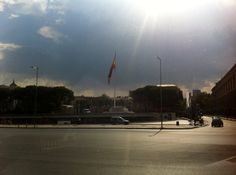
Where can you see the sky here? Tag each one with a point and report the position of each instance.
(73, 43)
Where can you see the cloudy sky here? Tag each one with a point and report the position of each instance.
(73, 42)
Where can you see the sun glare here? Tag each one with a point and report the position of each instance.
(154, 8)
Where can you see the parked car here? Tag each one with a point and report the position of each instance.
(67, 120)
(86, 111)
(119, 120)
(217, 122)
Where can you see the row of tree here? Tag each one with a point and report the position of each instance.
(23, 100)
(147, 99)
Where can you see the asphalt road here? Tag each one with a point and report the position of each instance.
(78, 151)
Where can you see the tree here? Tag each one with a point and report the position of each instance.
(50, 99)
(201, 104)
(147, 99)
(4, 100)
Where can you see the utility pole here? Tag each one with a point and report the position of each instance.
(161, 91)
(36, 68)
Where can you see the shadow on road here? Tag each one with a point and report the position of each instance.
(155, 133)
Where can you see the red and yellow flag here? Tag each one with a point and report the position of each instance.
(113, 66)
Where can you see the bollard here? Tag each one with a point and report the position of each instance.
(177, 123)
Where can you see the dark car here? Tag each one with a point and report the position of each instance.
(119, 120)
(217, 122)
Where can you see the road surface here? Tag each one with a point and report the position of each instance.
(76, 151)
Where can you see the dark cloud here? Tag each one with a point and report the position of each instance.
(195, 49)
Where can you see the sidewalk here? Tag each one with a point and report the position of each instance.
(183, 124)
(102, 126)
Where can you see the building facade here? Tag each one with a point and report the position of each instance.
(193, 96)
(100, 104)
(224, 93)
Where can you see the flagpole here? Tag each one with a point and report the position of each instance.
(114, 101)
(115, 96)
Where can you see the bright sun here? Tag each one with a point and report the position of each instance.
(154, 8)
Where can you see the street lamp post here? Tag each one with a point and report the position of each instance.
(161, 91)
(36, 68)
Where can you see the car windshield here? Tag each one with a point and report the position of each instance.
(117, 87)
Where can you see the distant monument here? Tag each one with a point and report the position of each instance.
(13, 85)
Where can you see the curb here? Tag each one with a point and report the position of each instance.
(97, 127)
(229, 119)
